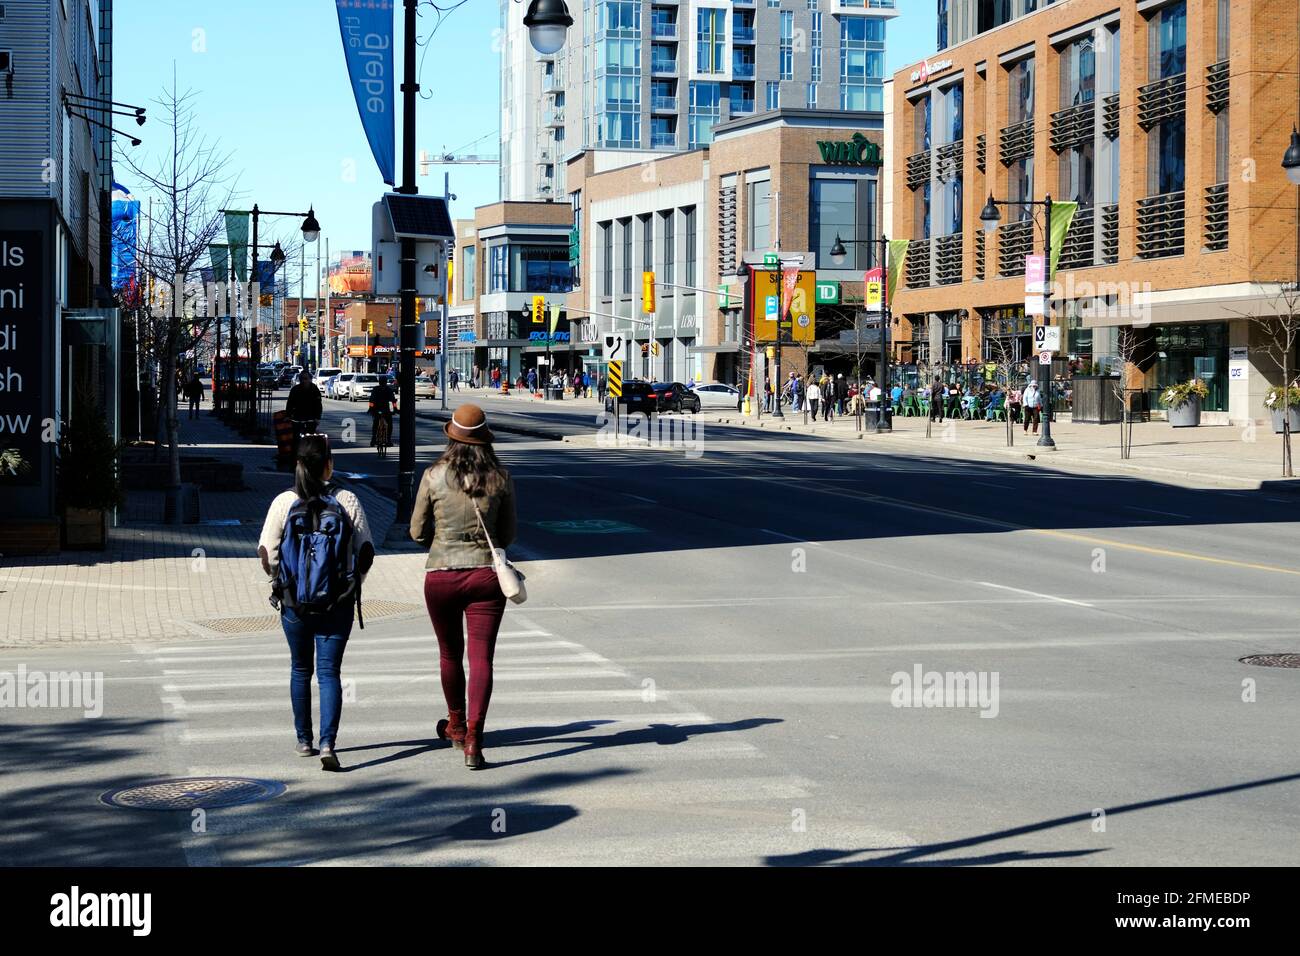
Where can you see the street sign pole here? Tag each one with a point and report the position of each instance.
(1045, 377)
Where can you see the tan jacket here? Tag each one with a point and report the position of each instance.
(444, 521)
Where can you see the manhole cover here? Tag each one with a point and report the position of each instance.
(270, 622)
(588, 526)
(1273, 660)
(192, 793)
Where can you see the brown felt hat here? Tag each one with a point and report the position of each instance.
(468, 425)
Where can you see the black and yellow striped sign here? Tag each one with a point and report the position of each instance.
(616, 379)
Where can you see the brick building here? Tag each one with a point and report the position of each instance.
(1166, 121)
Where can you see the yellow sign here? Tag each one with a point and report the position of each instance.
(800, 325)
(615, 379)
(647, 292)
(874, 295)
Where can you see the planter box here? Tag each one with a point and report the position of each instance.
(84, 529)
(1095, 400)
(1294, 415)
(1186, 416)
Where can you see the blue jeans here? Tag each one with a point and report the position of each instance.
(326, 637)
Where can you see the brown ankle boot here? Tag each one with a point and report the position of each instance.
(453, 728)
(474, 747)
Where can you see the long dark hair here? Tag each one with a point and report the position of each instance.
(313, 457)
(475, 469)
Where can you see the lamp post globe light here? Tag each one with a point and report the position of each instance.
(548, 23)
(839, 255)
(989, 216)
(310, 227)
(1291, 160)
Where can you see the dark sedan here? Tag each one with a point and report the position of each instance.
(675, 397)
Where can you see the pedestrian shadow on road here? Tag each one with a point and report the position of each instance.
(924, 855)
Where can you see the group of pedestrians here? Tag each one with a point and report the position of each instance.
(317, 548)
(1022, 405)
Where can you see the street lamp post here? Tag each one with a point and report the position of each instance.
(839, 255)
(990, 217)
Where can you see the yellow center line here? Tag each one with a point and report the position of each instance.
(1165, 552)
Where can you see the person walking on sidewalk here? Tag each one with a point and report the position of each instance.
(938, 398)
(194, 393)
(830, 394)
(814, 397)
(465, 498)
(1031, 406)
(316, 548)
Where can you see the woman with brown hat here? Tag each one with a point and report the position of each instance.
(465, 497)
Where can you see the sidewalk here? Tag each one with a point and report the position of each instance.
(1225, 455)
(143, 586)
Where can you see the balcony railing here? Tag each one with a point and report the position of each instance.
(948, 161)
(918, 170)
(663, 104)
(1015, 241)
(664, 31)
(1216, 217)
(1110, 234)
(1016, 142)
(917, 265)
(663, 140)
(1072, 126)
(1160, 226)
(742, 69)
(663, 65)
(1162, 100)
(555, 117)
(741, 107)
(742, 35)
(947, 259)
(1078, 251)
(1216, 86)
(981, 151)
(1110, 116)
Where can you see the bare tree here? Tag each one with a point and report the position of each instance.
(189, 183)
(1005, 368)
(1127, 345)
(1278, 334)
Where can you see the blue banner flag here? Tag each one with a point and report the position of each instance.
(126, 212)
(368, 35)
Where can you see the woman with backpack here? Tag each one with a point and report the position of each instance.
(316, 547)
(465, 506)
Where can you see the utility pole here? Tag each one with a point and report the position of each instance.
(406, 367)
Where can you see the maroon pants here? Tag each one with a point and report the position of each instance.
(475, 595)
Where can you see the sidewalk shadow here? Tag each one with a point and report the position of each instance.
(924, 855)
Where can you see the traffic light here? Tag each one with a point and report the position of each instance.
(647, 292)
(370, 329)
(302, 326)
(539, 310)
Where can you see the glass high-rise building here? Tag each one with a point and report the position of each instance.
(658, 75)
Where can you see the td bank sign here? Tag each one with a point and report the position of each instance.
(858, 151)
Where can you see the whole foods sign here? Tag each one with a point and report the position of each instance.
(858, 151)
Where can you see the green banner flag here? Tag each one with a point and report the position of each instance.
(1062, 216)
(220, 256)
(897, 255)
(237, 236)
(556, 310)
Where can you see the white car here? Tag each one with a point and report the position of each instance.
(716, 395)
(338, 386)
(362, 384)
(323, 376)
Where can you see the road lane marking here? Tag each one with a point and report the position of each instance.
(1045, 597)
(649, 501)
(1165, 552)
(1153, 511)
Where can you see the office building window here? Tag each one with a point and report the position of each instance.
(647, 243)
(922, 113)
(1078, 73)
(711, 36)
(622, 111)
(815, 49)
(607, 266)
(1077, 174)
(540, 269)
(833, 211)
(691, 244)
(814, 4)
(625, 287)
(1020, 184)
(1167, 33)
(1223, 40)
(862, 63)
(741, 98)
(812, 96)
(1020, 83)
(773, 95)
(468, 265)
(758, 216)
(705, 110)
(787, 45)
(943, 25)
(670, 245)
(500, 279)
(622, 17)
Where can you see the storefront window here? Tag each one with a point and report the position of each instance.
(834, 211)
(1199, 351)
(540, 269)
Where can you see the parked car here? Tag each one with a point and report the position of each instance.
(286, 378)
(717, 395)
(675, 397)
(323, 376)
(425, 387)
(362, 384)
(340, 384)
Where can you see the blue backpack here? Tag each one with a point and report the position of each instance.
(318, 571)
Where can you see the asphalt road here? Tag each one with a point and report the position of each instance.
(706, 672)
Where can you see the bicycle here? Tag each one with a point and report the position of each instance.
(383, 434)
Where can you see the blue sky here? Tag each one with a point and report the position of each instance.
(271, 89)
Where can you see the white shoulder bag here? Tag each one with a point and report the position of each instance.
(508, 576)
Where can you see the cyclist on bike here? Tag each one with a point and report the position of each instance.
(304, 406)
(382, 403)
